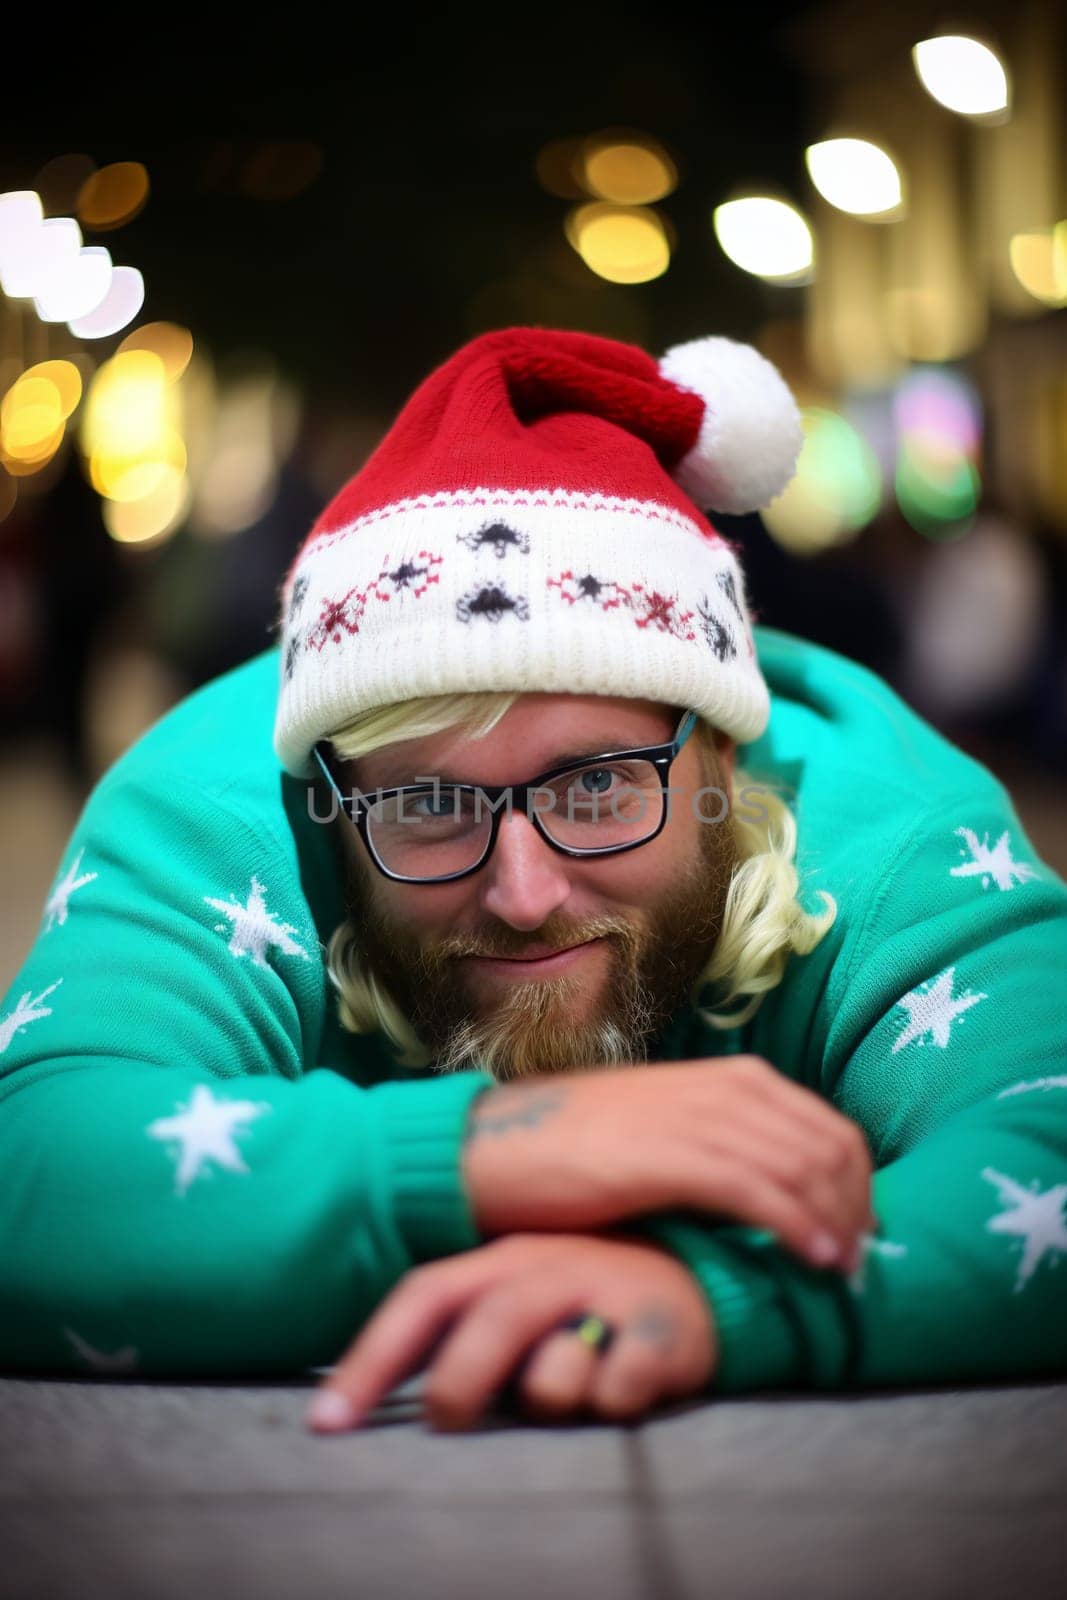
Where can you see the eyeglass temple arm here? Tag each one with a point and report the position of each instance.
(327, 774)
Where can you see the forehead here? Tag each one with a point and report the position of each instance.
(538, 732)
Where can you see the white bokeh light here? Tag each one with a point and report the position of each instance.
(962, 74)
(766, 237)
(20, 218)
(855, 176)
(39, 256)
(118, 308)
(78, 288)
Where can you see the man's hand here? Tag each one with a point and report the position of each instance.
(729, 1136)
(499, 1304)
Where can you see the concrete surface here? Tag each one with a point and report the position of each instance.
(144, 1491)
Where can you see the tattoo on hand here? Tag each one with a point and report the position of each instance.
(501, 1110)
(656, 1325)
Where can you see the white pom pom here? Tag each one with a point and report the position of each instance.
(750, 436)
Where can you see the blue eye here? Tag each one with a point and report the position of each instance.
(597, 772)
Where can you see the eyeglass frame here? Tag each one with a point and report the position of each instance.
(357, 806)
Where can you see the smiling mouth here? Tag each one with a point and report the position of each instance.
(543, 959)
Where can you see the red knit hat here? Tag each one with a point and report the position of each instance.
(533, 521)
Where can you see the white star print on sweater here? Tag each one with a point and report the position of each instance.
(254, 929)
(933, 1010)
(997, 863)
(57, 905)
(205, 1129)
(1057, 1081)
(27, 1010)
(227, 1241)
(1036, 1216)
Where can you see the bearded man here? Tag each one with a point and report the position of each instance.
(444, 987)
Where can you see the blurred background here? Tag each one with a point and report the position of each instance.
(224, 266)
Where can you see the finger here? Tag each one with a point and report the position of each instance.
(739, 1190)
(557, 1377)
(808, 1110)
(631, 1377)
(813, 1167)
(487, 1344)
(398, 1337)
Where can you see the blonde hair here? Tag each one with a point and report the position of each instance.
(763, 922)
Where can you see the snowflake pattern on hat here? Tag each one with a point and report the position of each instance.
(499, 536)
(539, 452)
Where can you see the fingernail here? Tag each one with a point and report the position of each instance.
(822, 1247)
(329, 1409)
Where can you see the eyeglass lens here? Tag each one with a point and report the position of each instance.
(432, 833)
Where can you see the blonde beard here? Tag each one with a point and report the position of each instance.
(656, 961)
(533, 1031)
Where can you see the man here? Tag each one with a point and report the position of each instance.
(383, 1000)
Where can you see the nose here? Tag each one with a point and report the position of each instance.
(524, 880)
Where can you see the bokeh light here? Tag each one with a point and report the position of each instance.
(172, 343)
(962, 74)
(131, 434)
(939, 431)
(1039, 261)
(20, 220)
(633, 171)
(30, 414)
(624, 244)
(35, 253)
(118, 308)
(33, 415)
(856, 176)
(835, 492)
(113, 196)
(152, 518)
(77, 288)
(766, 237)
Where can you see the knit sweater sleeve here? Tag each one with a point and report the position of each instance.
(947, 1044)
(181, 1194)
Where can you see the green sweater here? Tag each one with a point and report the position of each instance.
(203, 1173)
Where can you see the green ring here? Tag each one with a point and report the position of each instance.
(592, 1331)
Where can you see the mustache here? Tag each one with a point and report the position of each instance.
(505, 942)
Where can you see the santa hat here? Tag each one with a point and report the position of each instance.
(533, 520)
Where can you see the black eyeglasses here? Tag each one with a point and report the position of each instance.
(439, 831)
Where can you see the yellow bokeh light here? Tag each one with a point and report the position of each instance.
(124, 476)
(172, 343)
(855, 176)
(1039, 261)
(31, 414)
(766, 237)
(34, 457)
(628, 172)
(153, 517)
(65, 378)
(113, 195)
(124, 411)
(624, 244)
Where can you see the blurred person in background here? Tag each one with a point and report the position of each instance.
(532, 970)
